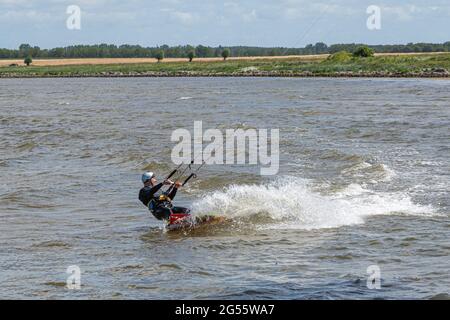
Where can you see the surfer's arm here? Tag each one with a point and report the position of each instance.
(173, 193)
(155, 189)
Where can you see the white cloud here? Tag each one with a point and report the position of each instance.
(28, 16)
(249, 17)
(234, 10)
(185, 18)
(254, 22)
(403, 13)
(410, 12)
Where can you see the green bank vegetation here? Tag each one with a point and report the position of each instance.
(363, 52)
(339, 64)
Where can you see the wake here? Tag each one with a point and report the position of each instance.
(290, 202)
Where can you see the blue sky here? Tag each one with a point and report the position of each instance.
(292, 23)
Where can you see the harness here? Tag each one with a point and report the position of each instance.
(163, 201)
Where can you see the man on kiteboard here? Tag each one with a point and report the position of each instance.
(160, 203)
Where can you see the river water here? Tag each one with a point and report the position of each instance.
(363, 181)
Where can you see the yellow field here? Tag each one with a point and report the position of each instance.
(103, 61)
(99, 61)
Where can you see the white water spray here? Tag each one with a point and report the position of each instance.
(290, 203)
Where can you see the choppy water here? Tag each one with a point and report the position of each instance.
(364, 180)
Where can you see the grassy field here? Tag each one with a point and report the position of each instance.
(95, 61)
(408, 65)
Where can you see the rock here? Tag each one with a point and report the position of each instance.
(440, 70)
(250, 69)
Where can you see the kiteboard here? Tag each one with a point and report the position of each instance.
(186, 221)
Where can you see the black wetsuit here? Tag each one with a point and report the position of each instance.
(162, 210)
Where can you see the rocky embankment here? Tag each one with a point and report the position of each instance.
(428, 73)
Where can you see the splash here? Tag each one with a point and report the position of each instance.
(290, 202)
(372, 173)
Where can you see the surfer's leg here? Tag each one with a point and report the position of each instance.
(161, 213)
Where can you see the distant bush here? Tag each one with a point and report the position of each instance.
(363, 52)
(226, 53)
(341, 56)
(28, 60)
(159, 55)
(191, 55)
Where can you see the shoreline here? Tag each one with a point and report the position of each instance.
(403, 66)
(236, 75)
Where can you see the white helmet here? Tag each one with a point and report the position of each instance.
(147, 176)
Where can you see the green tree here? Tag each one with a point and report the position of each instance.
(447, 46)
(28, 60)
(204, 52)
(321, 47)
(24, 50)
(309, 49)
(226, 53)
(363, 52)
(191, 55)
(137, 51)
(159, 55)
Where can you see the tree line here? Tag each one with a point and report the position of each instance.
(188, 51)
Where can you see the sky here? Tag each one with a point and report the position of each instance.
(267, 23)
